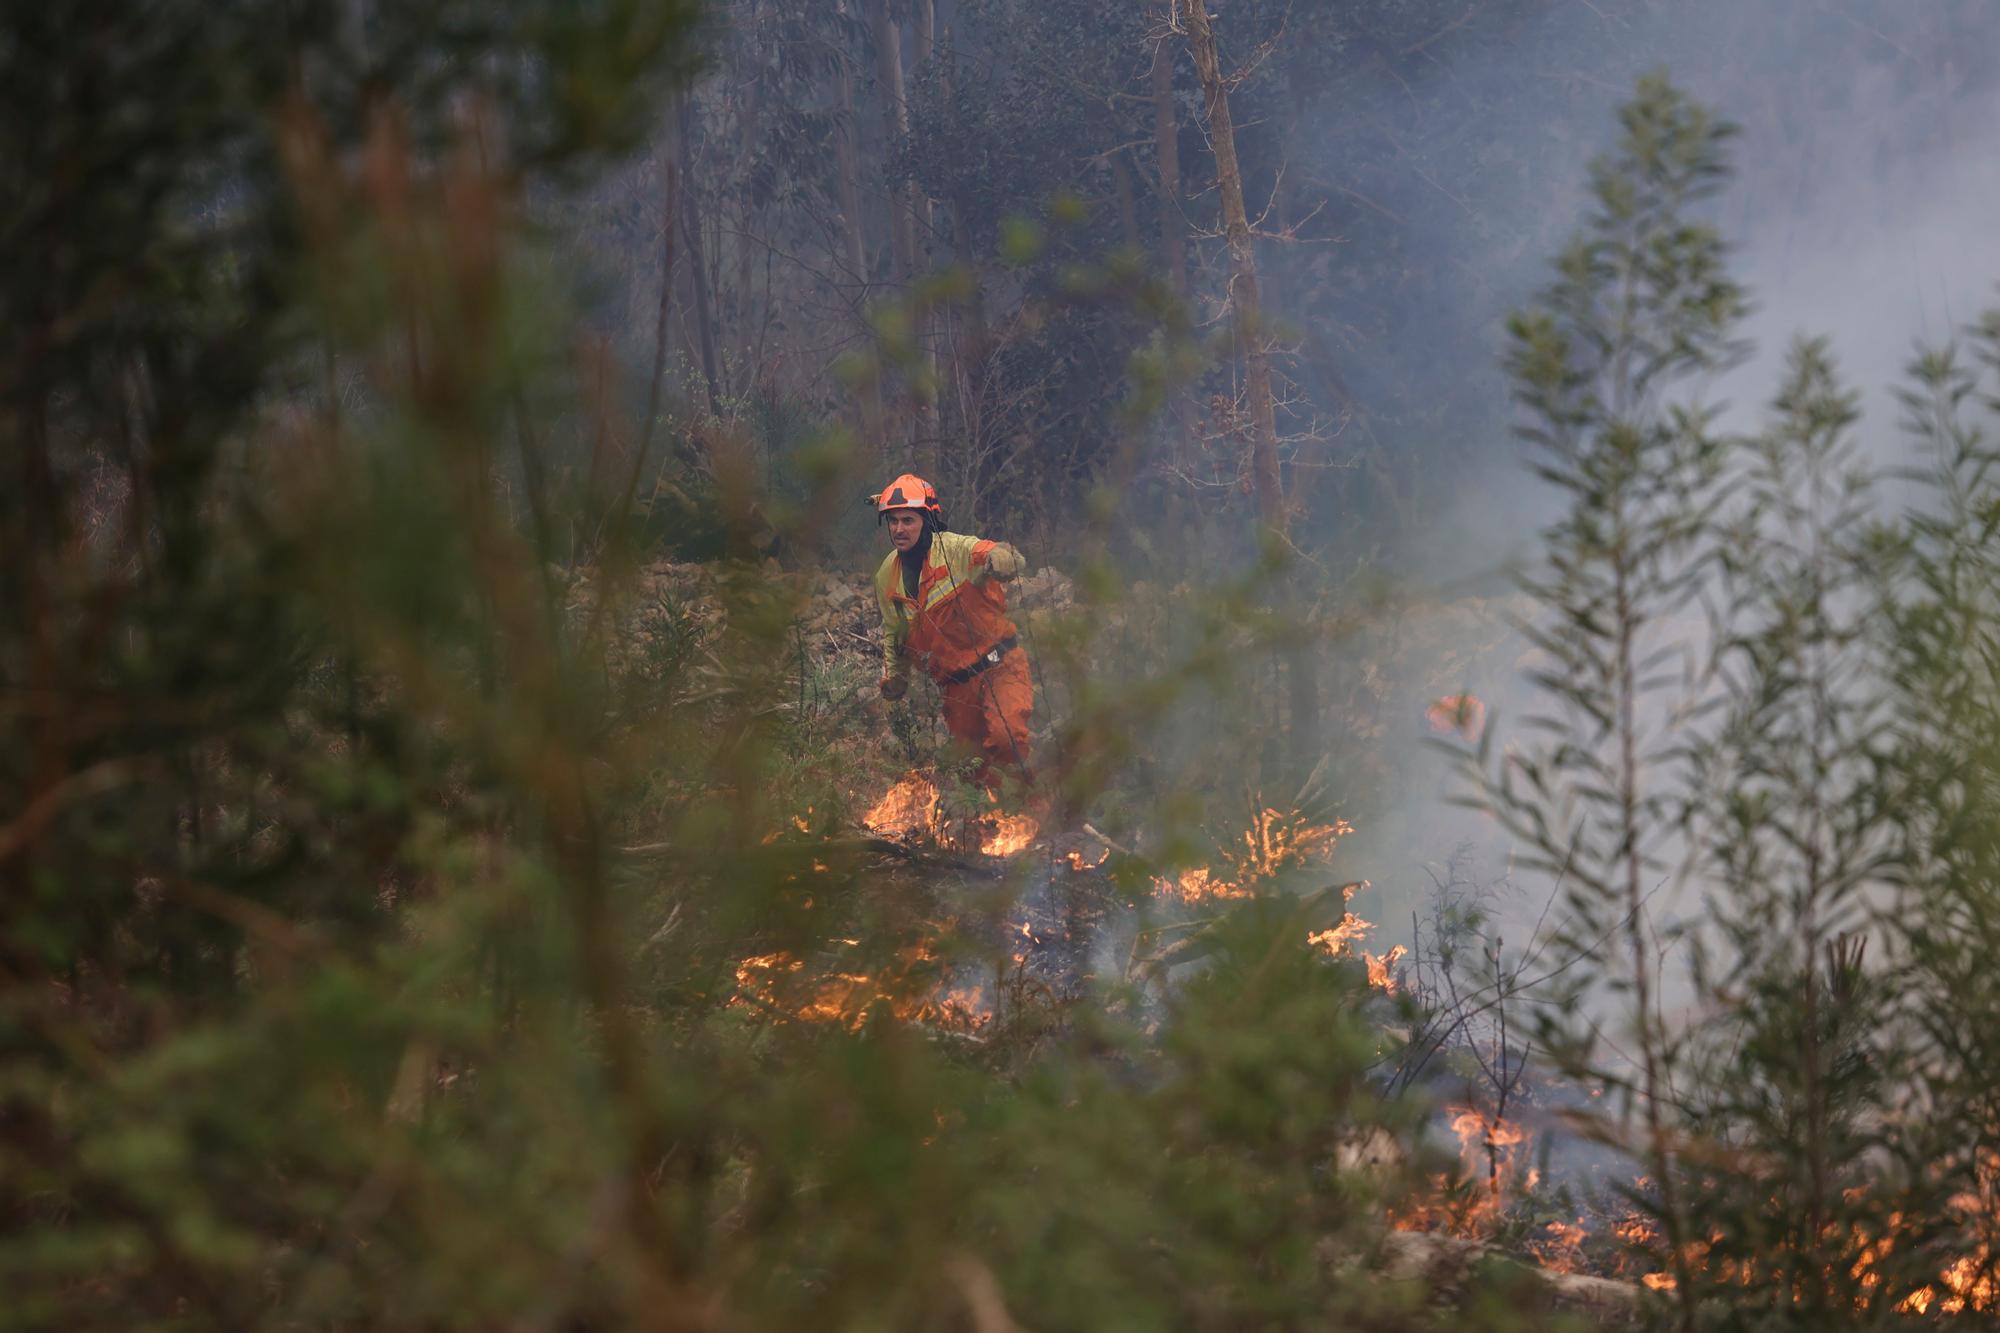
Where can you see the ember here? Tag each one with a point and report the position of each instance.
(1560, 1246)
(1461, 713)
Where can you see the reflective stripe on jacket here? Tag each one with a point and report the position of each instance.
(959, 612)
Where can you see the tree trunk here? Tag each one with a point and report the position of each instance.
(895, 126)
(743, 306)
(1128, 207)
(902, 198)
(930, 444)
(1185, 436)
(968, 344)
(847, 185)
(1167, 145)
(1244, 296)
(704, 307)
(1302, 674)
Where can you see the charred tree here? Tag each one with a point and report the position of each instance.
(847, 190)
(903, 210)
(895, 127)
(1260, 406)
(1167, 148)
(930, 447)
(698, 274)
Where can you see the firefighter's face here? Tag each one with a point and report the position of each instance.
(905, 527)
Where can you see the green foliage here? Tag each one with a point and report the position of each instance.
(383, 848)
(415, 913)
(1640, 301)
(1814, 1128)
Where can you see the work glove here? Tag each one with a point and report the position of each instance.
(895, 687)
(1005, 562)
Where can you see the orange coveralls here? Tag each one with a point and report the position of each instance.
(953, 628)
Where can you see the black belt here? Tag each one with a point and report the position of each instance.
(987, 661)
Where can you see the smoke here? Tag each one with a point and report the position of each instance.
(1863, 209)
(1892, 242)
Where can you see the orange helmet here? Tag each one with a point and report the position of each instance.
(908, 491)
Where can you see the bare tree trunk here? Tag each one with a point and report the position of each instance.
(1173, 238)
(704, 310)
(847, 170)
(1167, 145)
(1302, 675)
(924, 14)
(847, 183)
(1243, 292)
(968, 346)
(1128, 208)
(669, 219)
(743, 305)
(896, 126)
(930, 445)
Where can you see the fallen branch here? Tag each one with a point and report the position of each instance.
(1444, 1263)
(935, 859)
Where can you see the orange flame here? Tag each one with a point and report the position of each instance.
(907, 810)
(1560, 1246)
(777, 983)
(1003, 835)
(1490, 1147)
(1274, 842)
(1197, 885)
(1379, 975)
(1339, 941)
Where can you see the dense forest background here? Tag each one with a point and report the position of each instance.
(458, 869)
(1408, 167)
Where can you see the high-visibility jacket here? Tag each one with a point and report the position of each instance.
(958, 615)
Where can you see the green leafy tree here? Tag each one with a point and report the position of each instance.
(1642, 301)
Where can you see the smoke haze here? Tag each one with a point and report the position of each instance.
(1866, 185)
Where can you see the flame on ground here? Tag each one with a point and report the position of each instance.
(1197, 885)
(1560, 1246)
(912, 810)
(1490, 1148)
(777, 983)
(1276, 842)
(1004, 834)
(907, 810)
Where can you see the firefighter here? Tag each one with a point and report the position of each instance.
(943, 609)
